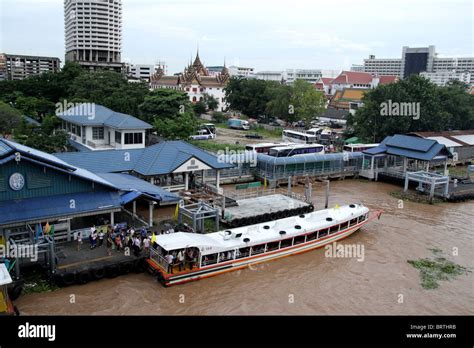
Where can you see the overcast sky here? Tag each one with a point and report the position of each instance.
(265, 34)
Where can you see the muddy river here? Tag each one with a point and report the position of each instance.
(309, 283)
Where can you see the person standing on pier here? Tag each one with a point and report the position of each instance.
(109, 244)
(79, 240)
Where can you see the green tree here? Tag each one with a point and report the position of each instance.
(211, 102)
(170, 112)
(247, 96)
(10, 118)
(440, 108)
(109, 89)
(278, 101)
(200, 107)
(308, 103)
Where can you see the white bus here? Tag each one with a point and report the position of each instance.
(298, 137)
(296, 150)
(264, 147)
(358, 147)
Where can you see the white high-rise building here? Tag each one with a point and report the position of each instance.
(418, 60)
(93, 32)
(441, 78)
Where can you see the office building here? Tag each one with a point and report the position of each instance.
(93, 33)
(17, 67)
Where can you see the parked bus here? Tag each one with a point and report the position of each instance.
(358, 147)
(299, 137)
(264, 147)
(296, 150)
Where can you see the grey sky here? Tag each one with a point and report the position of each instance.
(265, 34)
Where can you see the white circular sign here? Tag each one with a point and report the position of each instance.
(17, 181)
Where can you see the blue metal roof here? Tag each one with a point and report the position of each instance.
(307, 158)
(125, 182)
(5, 148)
(57, 206)
(96, 115)
(158, 159)
(410, 147)
(78, 146)
(410, 143)
(105, 161)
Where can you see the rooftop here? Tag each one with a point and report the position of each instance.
(97, 115)
(159, 159)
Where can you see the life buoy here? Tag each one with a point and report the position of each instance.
(111, 271)
(68, 279)
(126, 267)
(83, 277)
(138, 266)
(15, 291)
(98, 273)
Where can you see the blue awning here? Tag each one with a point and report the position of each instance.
(56, 207)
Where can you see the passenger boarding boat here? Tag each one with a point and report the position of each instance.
(183, 257)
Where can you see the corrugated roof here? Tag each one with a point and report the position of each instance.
(445, 141)
(467, 138)
(411, 147)
(57, 206)
(158, 159)
(126, 182)
(410, 143)
(98, 115)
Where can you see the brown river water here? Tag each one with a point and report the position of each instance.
(309, 283)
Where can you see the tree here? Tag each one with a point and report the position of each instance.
(110, 89)
(170, 112)
(440, 108)
(10, 118)
(46, 137)
(278, 104)
(200, 107)
(308, 103)
(211, 102)
(247, 96)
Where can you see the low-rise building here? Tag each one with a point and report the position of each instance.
(99, 128)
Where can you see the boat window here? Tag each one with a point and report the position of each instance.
(323, 233)
(242, 252)
(226, 256)
(298, 227)
(209, 259)
(334, 229)
(299, 240)
(353, 222)
(312, 236)
(286, 243)
(273, 246)
(266, 227)
(258, 249)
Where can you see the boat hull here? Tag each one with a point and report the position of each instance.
(234, 265)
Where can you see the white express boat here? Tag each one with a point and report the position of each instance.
(207, 255)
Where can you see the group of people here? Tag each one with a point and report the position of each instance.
(119, 239)
(180, 258)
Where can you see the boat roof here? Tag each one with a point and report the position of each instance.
(5, 277)
(258, 234)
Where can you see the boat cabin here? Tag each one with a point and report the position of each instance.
(200, 251)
